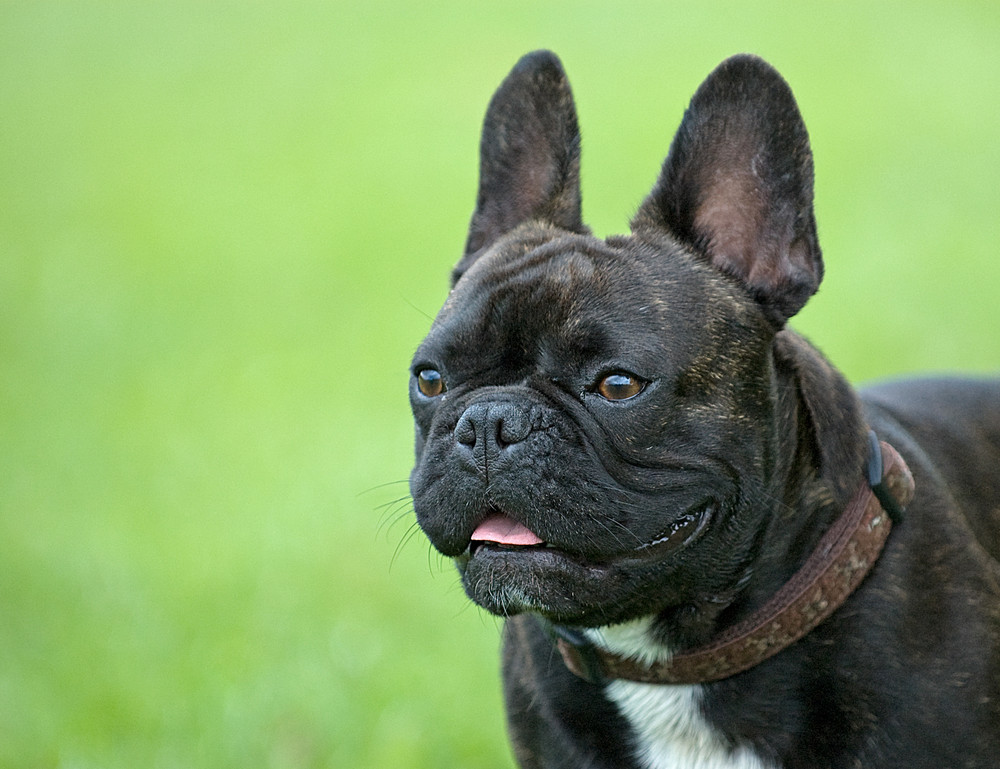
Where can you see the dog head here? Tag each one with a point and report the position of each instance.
(596, 419)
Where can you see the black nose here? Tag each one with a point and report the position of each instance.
(488, 431)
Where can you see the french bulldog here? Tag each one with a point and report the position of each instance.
(711, 552)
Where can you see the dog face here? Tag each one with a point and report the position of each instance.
(595, 419)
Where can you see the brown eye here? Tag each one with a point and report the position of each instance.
(430, 383)
(619, 386)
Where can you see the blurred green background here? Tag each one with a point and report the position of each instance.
(223, 229)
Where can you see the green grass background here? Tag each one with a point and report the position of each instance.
(223, 229)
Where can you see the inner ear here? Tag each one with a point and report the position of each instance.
(529, 156)
(737, 186)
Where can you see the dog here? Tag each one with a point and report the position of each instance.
(710, 551)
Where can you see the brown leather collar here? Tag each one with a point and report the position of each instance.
(841, 560)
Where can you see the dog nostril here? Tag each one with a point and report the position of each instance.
(465, 431)
(512, 426)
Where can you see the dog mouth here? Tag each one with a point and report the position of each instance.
(502, 530)
(502, 533)
(509, 567)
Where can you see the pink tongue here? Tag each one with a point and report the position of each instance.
(504, 531)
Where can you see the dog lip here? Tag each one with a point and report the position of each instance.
(537, 554)
(477, 545)
(683, 531)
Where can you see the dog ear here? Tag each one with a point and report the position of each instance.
(737, 186)
(529, 156)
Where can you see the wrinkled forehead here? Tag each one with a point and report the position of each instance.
(535, 286)
(549, 274)
(530, 296)
(563, 264)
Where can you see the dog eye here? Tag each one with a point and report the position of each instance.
(620, 386)
(429, 382)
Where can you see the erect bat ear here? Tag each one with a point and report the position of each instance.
(529, 153)
(737, 186)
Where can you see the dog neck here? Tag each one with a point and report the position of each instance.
(837, 566)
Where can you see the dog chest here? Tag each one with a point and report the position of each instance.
(670, 731)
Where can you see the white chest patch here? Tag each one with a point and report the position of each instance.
(670, 731)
